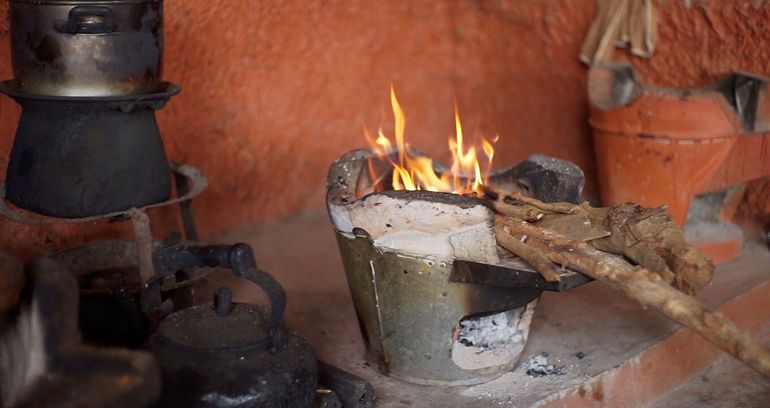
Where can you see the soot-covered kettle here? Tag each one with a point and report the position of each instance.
(225, 353)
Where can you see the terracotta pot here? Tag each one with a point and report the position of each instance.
(656, 146)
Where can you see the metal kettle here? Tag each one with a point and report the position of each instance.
(225, 353)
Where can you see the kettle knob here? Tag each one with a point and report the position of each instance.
(239, 258)
(223, 301)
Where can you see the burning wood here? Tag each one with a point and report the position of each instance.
(515, 204)
(412, 171)
(411, 235)
(651, 239)
(401, 249)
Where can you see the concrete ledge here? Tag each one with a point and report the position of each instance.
(630, 355)
(665, 365)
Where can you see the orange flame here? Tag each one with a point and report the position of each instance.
(413, 172)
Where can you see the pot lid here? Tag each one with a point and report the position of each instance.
(243, 327)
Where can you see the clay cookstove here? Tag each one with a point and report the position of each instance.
(437, 302)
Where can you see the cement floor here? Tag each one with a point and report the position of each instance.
(594, 320)
(725, 383)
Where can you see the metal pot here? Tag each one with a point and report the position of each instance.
(76, 157)
(86, 48)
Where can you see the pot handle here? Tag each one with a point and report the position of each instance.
(87, 19)
(239, 258)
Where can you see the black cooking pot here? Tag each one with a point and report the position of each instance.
(86, 48)
(76, 157)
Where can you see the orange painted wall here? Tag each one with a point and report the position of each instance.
(273, 91)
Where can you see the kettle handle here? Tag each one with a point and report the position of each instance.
(239, 258)
(87, 19)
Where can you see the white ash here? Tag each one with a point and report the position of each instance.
(538, 366)
(421, 227)
(493, 340)
(489, 331)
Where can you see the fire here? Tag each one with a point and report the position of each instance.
(412, 172)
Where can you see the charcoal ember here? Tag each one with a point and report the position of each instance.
(490, 331)
(487, 340)
(538, 366)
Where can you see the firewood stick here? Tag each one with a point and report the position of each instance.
(556, 241)
(649, 237)
(649, 289)
(522, 211)
(507, 197)
(530, 254)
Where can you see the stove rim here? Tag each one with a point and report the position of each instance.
(165, 91)
(198, 181)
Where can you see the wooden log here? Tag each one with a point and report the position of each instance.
(533, 256)
(522, 211)
(502, 197)
(554, 240)
(650, 238)
(649, 289)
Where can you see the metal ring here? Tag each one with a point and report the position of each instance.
(195, 176)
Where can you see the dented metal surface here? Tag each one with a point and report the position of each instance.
(410, 298)
(94, 48)
(408, 310)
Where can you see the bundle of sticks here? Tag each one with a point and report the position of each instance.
(641, 251)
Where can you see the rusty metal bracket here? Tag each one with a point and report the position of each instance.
(513, 274)
(184, 185)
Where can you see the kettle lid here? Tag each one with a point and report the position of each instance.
(218, 326)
